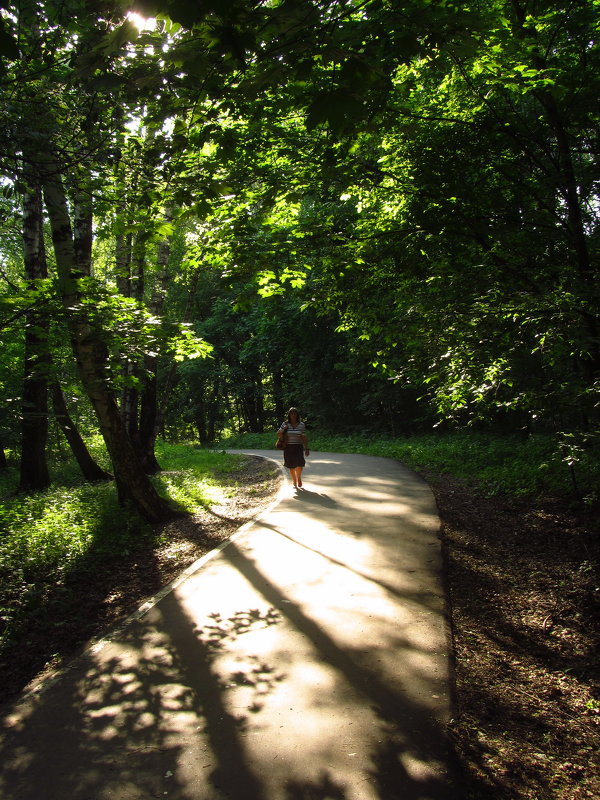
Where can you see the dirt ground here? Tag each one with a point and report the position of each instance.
(523, 583)
(524, 588)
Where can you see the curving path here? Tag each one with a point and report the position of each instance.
(305, 660)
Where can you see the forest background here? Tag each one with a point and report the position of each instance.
(385, 213)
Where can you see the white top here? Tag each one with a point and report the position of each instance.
(294, 432)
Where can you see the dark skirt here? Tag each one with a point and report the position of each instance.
(293, 456)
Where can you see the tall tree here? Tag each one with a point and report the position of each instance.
(34, 474)
(91, 354)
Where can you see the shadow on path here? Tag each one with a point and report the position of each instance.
(243, 684)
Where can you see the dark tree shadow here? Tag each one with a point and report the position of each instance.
(325, 789)
(422, 734)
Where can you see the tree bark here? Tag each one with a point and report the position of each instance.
(130, 399)
(167, 384)
(123, 263)
(34, 474)
(148, 417)
(90, 470)
(148, 423)
(91, 353)
(83, 233)
(278, 393)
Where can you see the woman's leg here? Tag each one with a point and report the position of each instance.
(299, 476)
(293, 471)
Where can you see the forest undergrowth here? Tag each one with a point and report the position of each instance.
(521, 539)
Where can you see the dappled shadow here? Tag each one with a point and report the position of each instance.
(420, 734)
(82, 602)
(118, 719)
(516, 674)
(207, 697)
(231, 774)
(126, 723)
(119, 571)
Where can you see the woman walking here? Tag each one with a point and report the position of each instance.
(293, 434)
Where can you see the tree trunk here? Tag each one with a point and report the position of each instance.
(148, 425)
(129, 403)
(200, 417)
(213, 409)
(148, 417)
(123, 271)
(251, 400)
(169, 380)
(278, 394)
(123, 263)
(91, 471)
(83, 220)
(34, 425)
(133, 485)
(131, 396)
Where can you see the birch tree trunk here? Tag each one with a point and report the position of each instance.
(90, 350)
(34, 474)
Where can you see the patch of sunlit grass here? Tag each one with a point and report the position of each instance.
(75, 526)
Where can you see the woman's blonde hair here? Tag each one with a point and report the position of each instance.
(292, 409)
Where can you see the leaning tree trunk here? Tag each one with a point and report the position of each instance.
(91, 353)
(34, 421)
(90, 470)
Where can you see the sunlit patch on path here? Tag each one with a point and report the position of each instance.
(307, 659)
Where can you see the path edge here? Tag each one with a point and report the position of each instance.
(38, 686)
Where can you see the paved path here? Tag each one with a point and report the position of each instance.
(307, 660)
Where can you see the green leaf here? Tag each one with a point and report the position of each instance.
(337, 108)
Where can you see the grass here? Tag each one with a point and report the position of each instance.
(536, 467)
(76, 527)
(193, 477)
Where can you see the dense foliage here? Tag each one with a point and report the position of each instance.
(385, 213)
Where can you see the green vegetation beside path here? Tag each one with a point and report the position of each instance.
(55, 545)
(539, 466)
